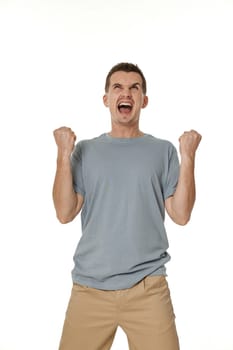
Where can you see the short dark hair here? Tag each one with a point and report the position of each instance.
(125, 67)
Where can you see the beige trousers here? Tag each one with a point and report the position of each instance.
(144, 312)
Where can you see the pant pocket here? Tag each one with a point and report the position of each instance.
(79, 287)
(154, 284)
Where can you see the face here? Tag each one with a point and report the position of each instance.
(125, 97)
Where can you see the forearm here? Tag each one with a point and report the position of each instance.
(184, 197)
(180, 205)
(64, 197)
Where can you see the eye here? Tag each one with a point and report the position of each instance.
(116, 86)
(135, 87)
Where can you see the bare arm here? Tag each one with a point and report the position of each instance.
(179, 206)
(67, 203)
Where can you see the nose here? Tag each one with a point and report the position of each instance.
(126, 93)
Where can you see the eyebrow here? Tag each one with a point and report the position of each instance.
(133, 85)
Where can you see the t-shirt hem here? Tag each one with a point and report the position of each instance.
(91, 283)
(78, 190)
(169, 193)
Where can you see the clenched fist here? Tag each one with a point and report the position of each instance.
(189, 142)
(65, 140)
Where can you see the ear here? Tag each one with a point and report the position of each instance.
(105, 100)
(145, 102)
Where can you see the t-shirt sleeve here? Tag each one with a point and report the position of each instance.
(77, 171)
(172, 175)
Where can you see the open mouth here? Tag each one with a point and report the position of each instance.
(125, 107)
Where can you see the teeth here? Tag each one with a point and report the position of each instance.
(125, 104)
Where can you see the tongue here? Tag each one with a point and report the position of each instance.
(125, 109)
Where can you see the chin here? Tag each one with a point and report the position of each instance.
(126, 117)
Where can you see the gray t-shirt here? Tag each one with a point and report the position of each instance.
(124, 182)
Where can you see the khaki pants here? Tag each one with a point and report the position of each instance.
(144, 312)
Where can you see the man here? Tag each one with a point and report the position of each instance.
(122, 181)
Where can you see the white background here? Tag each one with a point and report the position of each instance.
(54, 57)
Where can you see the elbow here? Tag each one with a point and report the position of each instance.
(64, 219)
(182, 221)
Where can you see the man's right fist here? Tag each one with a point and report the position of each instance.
(65, 140)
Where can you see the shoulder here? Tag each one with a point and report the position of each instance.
(161, 143)
(85, 144)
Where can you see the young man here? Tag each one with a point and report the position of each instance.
(122, 182)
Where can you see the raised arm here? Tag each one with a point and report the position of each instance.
(179, 206)
(67, 203)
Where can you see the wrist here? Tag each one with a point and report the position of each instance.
(188, 157)
(63, 157)
(188, 162)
